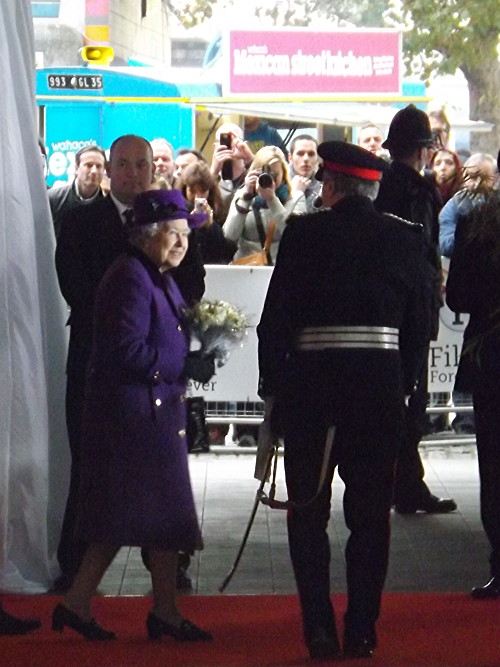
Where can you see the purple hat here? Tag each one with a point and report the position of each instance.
(160, 205)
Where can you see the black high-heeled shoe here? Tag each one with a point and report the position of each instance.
(11, 625)
(62, 617)
(184, 632)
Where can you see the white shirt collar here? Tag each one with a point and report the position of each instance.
(77, 192)
(120, 206)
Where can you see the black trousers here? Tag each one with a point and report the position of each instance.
(70, 551)
(368, 474)
(487, 417)
(409, 485)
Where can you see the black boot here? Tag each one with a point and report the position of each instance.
(197, 431)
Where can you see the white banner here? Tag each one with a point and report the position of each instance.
(246, 287)
(445, 351)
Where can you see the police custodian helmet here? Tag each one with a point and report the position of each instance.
(345, 158)
(409, 127)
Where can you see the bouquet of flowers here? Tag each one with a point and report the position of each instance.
(218, 326)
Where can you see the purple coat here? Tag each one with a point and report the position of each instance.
(135, 486)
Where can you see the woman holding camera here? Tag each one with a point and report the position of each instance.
(265, 198)
(203, 196)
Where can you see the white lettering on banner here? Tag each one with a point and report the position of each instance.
(444, 353)
(61, 160)
(383, 65)
(246, 288)
(68, 145)
(329, 64)
(255, 61)
(250, 64)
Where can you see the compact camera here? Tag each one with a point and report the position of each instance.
(266, 178)
(200, 204)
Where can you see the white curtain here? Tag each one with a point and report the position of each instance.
(34, 459)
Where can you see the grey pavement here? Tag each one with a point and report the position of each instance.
(441, 553)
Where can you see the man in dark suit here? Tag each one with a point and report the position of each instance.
(344, 323)
(90, 239)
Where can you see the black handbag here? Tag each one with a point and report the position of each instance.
(198, 440)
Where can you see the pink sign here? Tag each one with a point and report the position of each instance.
(291, 61)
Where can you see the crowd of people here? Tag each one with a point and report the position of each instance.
(352, 322)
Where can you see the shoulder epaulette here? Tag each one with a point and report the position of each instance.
(300, 216)
(414, 226)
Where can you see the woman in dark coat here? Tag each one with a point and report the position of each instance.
(202, 193)
(135, 487)
(473, 286)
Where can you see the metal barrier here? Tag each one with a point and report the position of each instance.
(229, 412)
(231, 396)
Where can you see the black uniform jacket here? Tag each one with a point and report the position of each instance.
(91, 238)
(409, 195)
(353, 266)
(473, 286)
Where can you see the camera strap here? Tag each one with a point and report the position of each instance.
(265, 239)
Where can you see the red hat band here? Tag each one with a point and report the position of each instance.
(360, 172)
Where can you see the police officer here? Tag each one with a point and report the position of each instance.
(405, 192)
(341, 335)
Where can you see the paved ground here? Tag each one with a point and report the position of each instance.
(428, 552)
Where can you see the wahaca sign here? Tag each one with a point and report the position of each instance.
(291, 61)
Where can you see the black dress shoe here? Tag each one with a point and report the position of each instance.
(184, 632)
(11, 625)
(322, 645)
(91, 630)
(489, 591)
(359, 647)
(430, 504)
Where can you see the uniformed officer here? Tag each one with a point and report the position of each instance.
(408, 194)
(342, 331)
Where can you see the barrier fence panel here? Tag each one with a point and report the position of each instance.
(231, 395)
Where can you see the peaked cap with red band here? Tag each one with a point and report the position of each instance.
(339, 156)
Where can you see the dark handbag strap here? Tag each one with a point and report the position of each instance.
(260, 226)
(265, 239)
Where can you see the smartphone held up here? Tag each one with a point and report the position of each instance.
(226, 139)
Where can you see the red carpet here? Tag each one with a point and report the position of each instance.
(415, 630)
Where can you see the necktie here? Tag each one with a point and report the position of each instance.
(128, 216)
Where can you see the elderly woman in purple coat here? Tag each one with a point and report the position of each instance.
(136, 489)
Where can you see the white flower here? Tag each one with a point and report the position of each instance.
(218, 326)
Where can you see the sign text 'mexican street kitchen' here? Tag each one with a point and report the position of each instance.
(290, 61)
